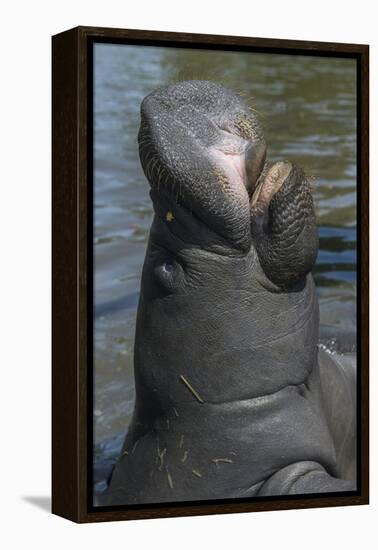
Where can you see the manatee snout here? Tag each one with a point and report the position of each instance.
(202, 146)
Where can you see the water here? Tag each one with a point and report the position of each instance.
(307, 107)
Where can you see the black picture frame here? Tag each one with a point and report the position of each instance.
(72, 291)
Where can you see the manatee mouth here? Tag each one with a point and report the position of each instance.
(244, 162)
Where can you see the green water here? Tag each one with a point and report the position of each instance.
(307, 107)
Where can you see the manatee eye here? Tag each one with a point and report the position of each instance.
(167, 267)
(170, 275)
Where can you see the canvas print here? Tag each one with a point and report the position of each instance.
(225, 275)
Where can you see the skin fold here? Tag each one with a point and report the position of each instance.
(233, 397)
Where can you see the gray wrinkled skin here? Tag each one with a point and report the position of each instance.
(232, 397)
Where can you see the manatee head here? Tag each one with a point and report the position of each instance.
(227, 299)
(204, 154)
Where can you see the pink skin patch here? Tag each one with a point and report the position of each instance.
(237, 162)
(231, 167)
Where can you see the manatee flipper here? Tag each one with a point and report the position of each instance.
(338, 381)
(304, 478)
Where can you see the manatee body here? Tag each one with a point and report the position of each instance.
(233, 397)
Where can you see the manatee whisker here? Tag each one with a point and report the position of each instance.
(159, 172)
(145, 155)
(144, 143)
(148, 166)
(147, 160)
(155, 161)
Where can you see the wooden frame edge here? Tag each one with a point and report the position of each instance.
(69, 270)
(64, 271)
(219, 39)
(363, 305)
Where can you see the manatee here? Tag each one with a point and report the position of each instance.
(234, 398)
